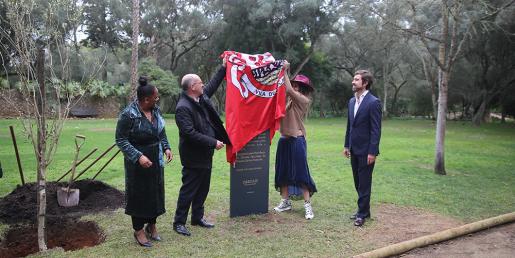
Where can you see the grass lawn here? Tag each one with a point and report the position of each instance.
(480, 183)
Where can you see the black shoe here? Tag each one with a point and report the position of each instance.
(181, 229)
(146, 244)
(155, 238)
(202, 223)
(359, 222)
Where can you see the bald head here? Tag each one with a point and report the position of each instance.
(188, 80)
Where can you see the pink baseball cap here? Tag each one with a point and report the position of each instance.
(303, 80)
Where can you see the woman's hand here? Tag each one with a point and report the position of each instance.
(169, 155)
(286, 66)
(144, 161)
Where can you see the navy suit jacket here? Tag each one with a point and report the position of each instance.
(364, 130)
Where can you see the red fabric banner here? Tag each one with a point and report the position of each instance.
(255, 97)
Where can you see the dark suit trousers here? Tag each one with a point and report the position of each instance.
(194, 190)
(363, 182)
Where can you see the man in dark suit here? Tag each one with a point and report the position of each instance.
(362, 140)
(200, 132)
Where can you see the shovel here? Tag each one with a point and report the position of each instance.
(67, 197)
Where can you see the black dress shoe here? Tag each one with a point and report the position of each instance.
(146, 244)
(359, 222)
(202, 223)
(155, 238)
(181, 229)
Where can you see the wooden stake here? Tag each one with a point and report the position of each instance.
(17, 155)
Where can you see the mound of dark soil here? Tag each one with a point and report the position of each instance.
(70, 234)
(20, 206)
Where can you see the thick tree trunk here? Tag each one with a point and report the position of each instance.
(482, 114)
(41, 150)
(134, 56)
(479, 116)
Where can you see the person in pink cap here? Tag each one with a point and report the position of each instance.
(292, 177)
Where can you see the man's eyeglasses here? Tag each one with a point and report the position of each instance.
(199, 82)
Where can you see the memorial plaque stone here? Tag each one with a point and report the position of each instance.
(249, 178)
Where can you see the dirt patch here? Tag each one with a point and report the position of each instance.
(21, 241)
(496, 242)
(20, 206)
(393, 224)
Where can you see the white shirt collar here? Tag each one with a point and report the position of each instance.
(362, 95)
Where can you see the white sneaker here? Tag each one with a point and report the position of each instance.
(284, 205)
(309, 211)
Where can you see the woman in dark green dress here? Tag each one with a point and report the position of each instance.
(141, 136)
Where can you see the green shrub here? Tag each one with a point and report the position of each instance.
(102, 89)
(4, 84)
(165, 81)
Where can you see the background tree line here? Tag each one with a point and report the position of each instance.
(325, 39)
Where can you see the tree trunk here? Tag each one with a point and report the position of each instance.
(41, 149)
(479, 116)
(441, 124)
(153, 48)
(395, 98)
(434, 100)
(322, 114)
(385, 89)
(395, 111)
(443, 79)
(41, 196)
(429, 75)
(134, 56)
(305, 61)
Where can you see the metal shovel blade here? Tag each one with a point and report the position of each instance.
(67, 198)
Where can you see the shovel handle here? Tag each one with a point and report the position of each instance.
(81, 137)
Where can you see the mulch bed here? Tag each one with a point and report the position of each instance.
(20, 206)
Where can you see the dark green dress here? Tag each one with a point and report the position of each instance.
(136, 136)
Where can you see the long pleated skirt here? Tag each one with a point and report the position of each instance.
(291, 167)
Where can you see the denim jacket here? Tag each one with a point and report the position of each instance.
(134, 129)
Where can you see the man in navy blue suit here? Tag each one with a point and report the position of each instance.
(362, 140)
